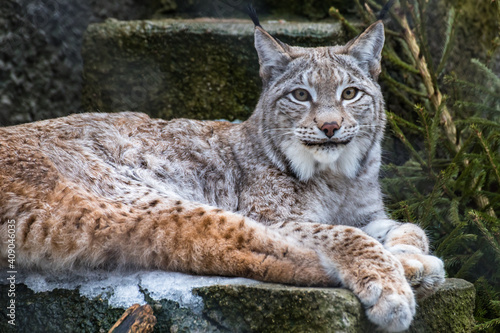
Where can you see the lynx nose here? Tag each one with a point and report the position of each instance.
(330, 128)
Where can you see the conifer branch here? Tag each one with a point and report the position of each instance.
(399, 85)
(495, 246)
(479, 135)
(334, 12)
(432, 92)
(393, 58)
(449, 38)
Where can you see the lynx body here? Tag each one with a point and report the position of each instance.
(291, 195)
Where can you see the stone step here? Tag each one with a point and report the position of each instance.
(195, 68)
(231, 308)
(278, 308)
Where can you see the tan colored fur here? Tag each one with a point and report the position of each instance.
(274, 198)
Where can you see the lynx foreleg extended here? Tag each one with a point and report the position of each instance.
(363, 266)
(410, 245)
(71, 228)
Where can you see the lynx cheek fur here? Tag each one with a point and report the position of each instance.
(290, 196)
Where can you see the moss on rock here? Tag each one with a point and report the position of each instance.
(62, 310)
(277, 308)
(449, 310)
(57, 311)
(238, 308)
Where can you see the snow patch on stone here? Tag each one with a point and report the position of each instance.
(123, 289)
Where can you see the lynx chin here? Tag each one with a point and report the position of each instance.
(290, 196)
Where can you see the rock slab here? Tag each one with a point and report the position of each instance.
(239, 308)
(277, 308)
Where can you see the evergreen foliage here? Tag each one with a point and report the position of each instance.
(450, 183)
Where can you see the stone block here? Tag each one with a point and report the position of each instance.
(196, 68)
(252, 307)
(277, 308)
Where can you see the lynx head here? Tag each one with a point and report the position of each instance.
(321, 107)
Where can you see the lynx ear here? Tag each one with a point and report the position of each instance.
(273, 56)
(367, 48)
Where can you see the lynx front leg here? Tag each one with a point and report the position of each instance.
(81, 230)
(410, 245)
(209, 241)
(363, 266)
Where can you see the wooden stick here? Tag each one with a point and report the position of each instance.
(136, 319)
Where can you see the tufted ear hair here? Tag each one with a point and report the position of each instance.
(273, 55)
(367, 49)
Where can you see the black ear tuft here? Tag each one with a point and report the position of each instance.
(385, 9)
(250, 10)
(367, 48)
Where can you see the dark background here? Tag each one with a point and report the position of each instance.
(40, 42)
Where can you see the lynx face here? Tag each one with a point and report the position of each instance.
(324, 104)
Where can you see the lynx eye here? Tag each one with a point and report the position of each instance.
(349, 93)
(301, 95)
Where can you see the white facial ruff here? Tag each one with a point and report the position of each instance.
(307, 161)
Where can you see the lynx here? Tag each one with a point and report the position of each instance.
(289, 196)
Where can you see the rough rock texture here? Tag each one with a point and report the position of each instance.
(239, 308)
(40, 60)
(277, 308)
(202, 68)
(57, 311)
(447, 310)
(64, 310)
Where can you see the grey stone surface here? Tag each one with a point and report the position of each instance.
(40, 60)
(201, 68)
(449, 310)
(239, 308)
(277, 308)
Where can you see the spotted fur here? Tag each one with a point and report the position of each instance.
(291, 195)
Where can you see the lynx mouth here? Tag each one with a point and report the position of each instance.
(325, 143)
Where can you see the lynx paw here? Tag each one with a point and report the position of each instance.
(423, 272)
(388, 299)
(389, 304)
(393, 312)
